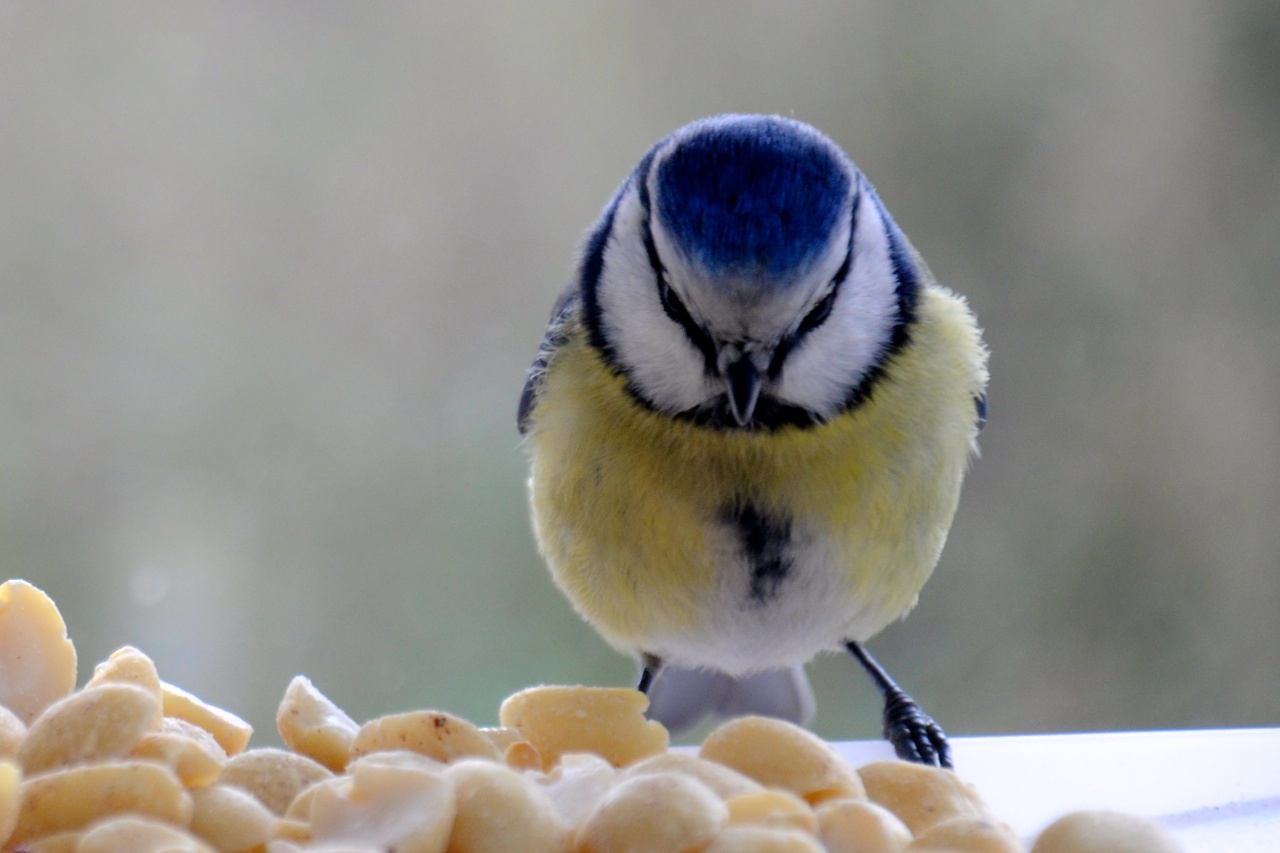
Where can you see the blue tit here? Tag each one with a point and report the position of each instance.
(748, 423)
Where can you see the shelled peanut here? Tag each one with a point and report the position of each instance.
(130, 763)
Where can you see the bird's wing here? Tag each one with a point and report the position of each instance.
(557, 334)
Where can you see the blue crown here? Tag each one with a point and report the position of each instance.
(752, 193)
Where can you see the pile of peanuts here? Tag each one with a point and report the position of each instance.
(131, 763)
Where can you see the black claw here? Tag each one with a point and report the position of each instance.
(914, 734)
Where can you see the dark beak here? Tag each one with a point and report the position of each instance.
(744, 389)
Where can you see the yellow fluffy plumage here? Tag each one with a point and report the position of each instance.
(626, 501)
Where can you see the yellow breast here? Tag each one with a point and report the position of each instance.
(629, 505)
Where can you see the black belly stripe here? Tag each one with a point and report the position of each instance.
(764, 540)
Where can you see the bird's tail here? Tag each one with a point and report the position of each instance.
(681, 698)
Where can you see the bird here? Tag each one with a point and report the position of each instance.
(748, 423)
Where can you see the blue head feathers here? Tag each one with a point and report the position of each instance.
(744, 194)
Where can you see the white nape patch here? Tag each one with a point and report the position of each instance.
(833, 358)
(657, 355)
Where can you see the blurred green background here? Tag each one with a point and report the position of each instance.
(271, 274)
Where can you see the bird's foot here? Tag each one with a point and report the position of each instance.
(913, 733)
(650, 665)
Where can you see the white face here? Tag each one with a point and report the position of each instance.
(819, 371)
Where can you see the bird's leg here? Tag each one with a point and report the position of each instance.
(913, 733)
(651, 663)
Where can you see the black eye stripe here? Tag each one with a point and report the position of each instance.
(822, 310)
(818, 315)
(675, 308)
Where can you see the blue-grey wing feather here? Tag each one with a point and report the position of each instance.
(557, 334)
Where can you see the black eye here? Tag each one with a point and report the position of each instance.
(671, 303)
(675, 309)
(818, 315)
(680, 315)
